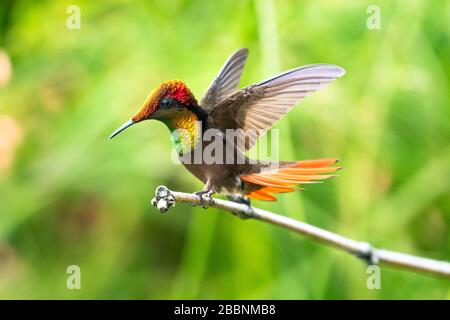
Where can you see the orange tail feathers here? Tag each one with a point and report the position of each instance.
(285, 179)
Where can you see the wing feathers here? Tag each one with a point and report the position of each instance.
(258, 107)
(226, 81)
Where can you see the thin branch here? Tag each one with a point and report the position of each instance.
(165, 198)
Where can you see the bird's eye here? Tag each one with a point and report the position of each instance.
(165, 103)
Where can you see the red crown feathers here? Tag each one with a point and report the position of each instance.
(174, 89)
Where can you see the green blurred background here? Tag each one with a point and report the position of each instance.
(68, 196)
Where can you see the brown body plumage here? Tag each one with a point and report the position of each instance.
(250, 111)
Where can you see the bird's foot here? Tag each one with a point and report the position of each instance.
(205, 198)
(242, 200)
(239, 199)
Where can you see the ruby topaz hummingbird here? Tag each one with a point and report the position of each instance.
(250, 111)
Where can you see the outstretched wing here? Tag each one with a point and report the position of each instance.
(256, 108)
(227, 80)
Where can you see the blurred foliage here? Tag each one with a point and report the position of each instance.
(67, 196)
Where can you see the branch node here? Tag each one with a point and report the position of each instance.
(368, 254)
(163, 199)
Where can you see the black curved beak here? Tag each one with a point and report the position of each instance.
(127, 124)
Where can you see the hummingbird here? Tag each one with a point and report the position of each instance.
(252, 110)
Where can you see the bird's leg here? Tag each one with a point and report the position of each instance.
(205, 198)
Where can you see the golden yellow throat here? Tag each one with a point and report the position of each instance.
(185, 130)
